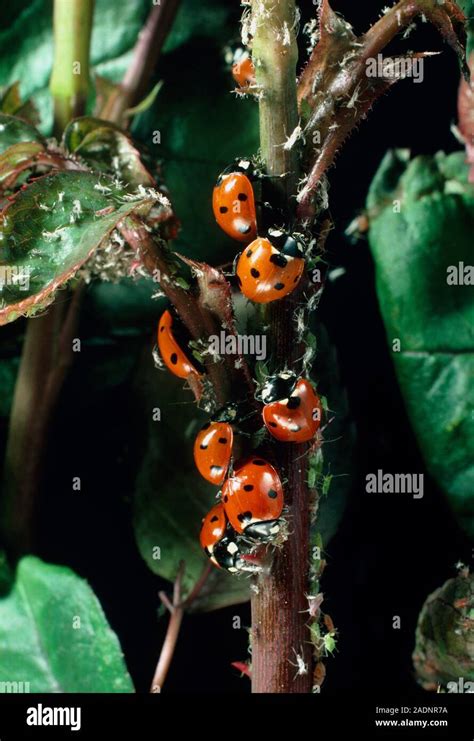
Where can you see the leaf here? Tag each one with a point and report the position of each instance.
(413, 251)
(15, 159)
(106, 148)
(50, 229)
(12, 104)
(147, 101)
(15, 130)
(444, 649)
(55, 636)
(171, 497)
(336, 40)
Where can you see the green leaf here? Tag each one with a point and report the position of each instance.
(15, 160)
(12, 104)
(54, 634)
(106, 148)
(15, 130)
(172, 498)
(50, 229)
(147, 101)
(413, 251)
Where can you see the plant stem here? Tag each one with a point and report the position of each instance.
(176, 608)
(145, 56)
(69, 83)
(279, 629)
(46, 357)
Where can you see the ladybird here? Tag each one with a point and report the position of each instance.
(217, 541)
(253, 500)
(212, 451)
(233, 202)
(170, 351)
(292, 410)
(265, 273)
(223, 546)
(243, 71)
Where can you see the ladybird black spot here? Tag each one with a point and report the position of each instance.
(222, 440)
(248, 253)
(272, 494)
(244, 229)
(223, 209)
(248, 487)
(174, 358)
(162, 329)
(254, 273)
(214, 519)
(203, 447)
(242, 197)
(279, 286)
(216, 469)
(278, 259)
(244, 516)
(293, 402)
(226, 499)
(273, 424)
(258, 462)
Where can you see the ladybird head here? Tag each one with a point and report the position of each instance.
(278, 387)
(262, 532)
(286, 243)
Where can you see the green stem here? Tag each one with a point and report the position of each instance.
(69, 83)
(279, 630)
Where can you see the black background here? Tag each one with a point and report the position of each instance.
(390, 552)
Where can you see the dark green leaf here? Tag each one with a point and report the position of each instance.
(15, 130)
(413, 251)
(15, 159)
(171, 497)
(50, 229)
(55, 636)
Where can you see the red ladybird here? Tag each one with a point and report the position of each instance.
(212, 451)
(222, 544)
(253, 500)
(292, 411)
(233, 202)
(243, 71)
(170, 351)
(266, 273)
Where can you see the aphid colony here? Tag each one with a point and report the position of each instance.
(248, 513)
